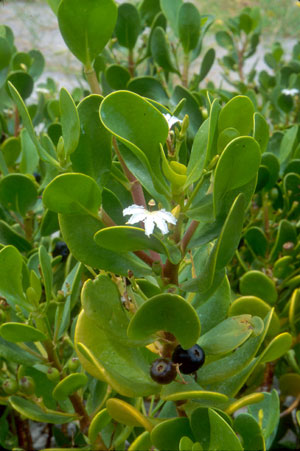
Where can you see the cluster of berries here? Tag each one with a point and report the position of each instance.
(164, 371)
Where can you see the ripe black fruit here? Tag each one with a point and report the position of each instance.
(61, 249)
(163, 371)
(190, 360)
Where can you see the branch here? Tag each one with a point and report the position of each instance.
(188, 235)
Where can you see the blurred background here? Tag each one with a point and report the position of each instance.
(35, 26)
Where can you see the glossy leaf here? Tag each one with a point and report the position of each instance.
(117, 76)
(69, 121)
(237, 166)
(93, 153)
(11, 288)
(100, 420)
(35, 413)
(86, 27)
(13, 353)
(170, 9)
(277, 347)
(135, 122)
(237, 113)
(227, 335)
(69, 385)
(11, 149)
(141, 443)
(78, 232)
(160, 50)
(256, 283)
(254, 306)
(213, 431)
(17, 193)
(198, 153)
(125, 413)
(253, 398)
(129, 239)
(178, 392)
(166, 312)
(46, 271)
(224, 138)
(167, 434)
(18, 332)
(261, 131)
(73, 194)
(257, 241)
(30, 157)
(128, 25)
(188, 26)
(8, 236)
(294, 311)
(250, 432)
(5, 52)
(207, 63)
(123, 367)
(267, 413)
(22, 81)
(148, 87)
(286, 232)
(290, 384)
(287, 144)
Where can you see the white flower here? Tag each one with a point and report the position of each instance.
(290, 92)
(149, 218)
(171, 120)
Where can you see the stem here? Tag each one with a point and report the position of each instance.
(130, 62)
(240, 260)
(92, 80)
(170, 272)
(145, 257)
(266, 214)
(80, 410)
(185, 73)
(135, 186)
(188, 235)
(293, 406)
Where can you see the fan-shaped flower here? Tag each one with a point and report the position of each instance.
(158, 218)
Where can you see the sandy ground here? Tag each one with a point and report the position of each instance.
(35, 26)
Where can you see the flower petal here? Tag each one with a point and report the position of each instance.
(149, 225)
(166, 216)
(133, 209)
(161, 224)
(137, 217)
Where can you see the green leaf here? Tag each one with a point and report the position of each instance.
(277, 347)
(37, 64)
(170, 8)
(44, 155)
(261, 131)
(190, 107)
(227, 336)
(78, 232)
(130, 239)
(254, 306)
(141, 443)
(46, 270)
(250, 432)
(128, 25)
(86, 26)
(69, 385)
(213, 431)
(168, 434)
(256, 283)
(73, 194)
(257, 241)
(11, 264)
(93, 153)
(198, 153)
(13, 353)
(237, 113)
(285, 233)
(101, 302)
(160, 50)
(18, 332)
(237, 166)
(166, 312)
(125, 413)
(137, 124)
(225, 40)
(267, 413)
(69, 121)
(207, 62)
(30, 157)
(117, 76)
(287, 144)
(191, 390)
(188, 26)
(227, 366)
(5, 52)
(8, 235)
(22, 81)
(148, 87)
(100, 420)
(124, 368)
(17, 193)
(271, 162)
(32, 411)
(11, 149)
(294, 312)
(224, 138)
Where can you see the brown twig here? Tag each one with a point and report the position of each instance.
(293, 406)
(188, 235)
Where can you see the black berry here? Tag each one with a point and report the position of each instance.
(61, 249)
(163, 371)
(190, 360)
